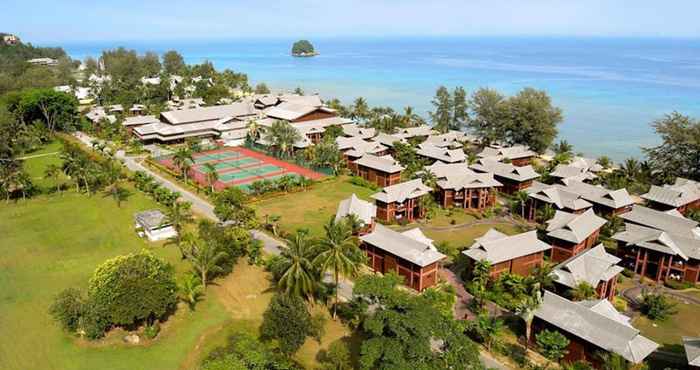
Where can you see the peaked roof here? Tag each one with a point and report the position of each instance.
(458, 176)
(570, 172)
(497, 247)
(660, 241)
(441, 154)
(355, 130)
(385, 163)
(506, 170)
(139, 120)
(177, 117)
(682, 192)
(290, 111)
(402, 191)
(558, 196)
(409, 246)
(592, 266)
(599, 195)
(365, 211)
(506, 152)
(388, 140)
(572, 227)
(409, 132)
(692, 350)
(662, 221)
(448, 139)
(605, 331)
(355, 146)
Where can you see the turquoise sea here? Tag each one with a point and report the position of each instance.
(609, 89)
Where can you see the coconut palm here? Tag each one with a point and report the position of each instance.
(179, 214)
(545, 213)
(526, 310)
(300, 277)
(520, 198)
(360, 109)
(182, 159)
(205, 258)
(212, 175)
(282, 137)
(480, 279)
(253, 131)
(354, 223)
(429, 179)
(191, 290)
(338, 252)
(55, 172)
(583, 291)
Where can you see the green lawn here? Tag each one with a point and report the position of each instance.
(42, 158)
(464, 237)
(668, 333)
(312, 208)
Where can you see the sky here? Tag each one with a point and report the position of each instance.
(71, 20)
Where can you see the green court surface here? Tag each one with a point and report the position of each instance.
(216, 156)
(248, 172)
(230, 163)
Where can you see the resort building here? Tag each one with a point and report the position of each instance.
(595, 267)
(514, 178)
(683, 195)
(541, 195)
(383, 171)
(116, 109)
(401, 202)
(299, 112)
(571, 233)
(605, 202)
(410, 254)
(97, 114)
(438, 154)
(460, 187)
(355, 130)
(516, 254)
(314, 130)
(517, 155)
(591, 327)
(43, 62)
(451, 139)
(365, 212)
(354, 148)
(154, 225)
(691, 345)
(660, 246)
(130, 123)
(419, 132)
(564, 173)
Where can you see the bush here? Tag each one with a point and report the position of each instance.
(620, 304)
(359, 181)
(679, 285)
(337, 357)
(657, 307)
(152, 330)
(243, 351)
(94, 321)
(67, 308)
(628, 273)
(288, 321)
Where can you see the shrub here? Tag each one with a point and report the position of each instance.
(94, 321)
(679, 285)
(67, 308)
(132, 288)
(152, 330)
(628, 273)
(288, 321)
(620, 304)
(656, 307)
(337, 357)
(552, 344)
(359, 181)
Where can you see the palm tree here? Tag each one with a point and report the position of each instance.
(354, 223)
(546, 213)
(583, 291)
(541, 277)
(253, 131)
(212, 175)
(360, 109)
(282, 136)
(179, 214)
(526, 310)
(191, 290)
(480, 278)
(613, 361)
(182, 159)
(429, 179)
(300, 277)
(339, 253)
(520, 199)
(204, 258)
(56, 172)
(630, 168)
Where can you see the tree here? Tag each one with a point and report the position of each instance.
(360, 109)
(282, 137)
(298, 91)
(552, 344)
(204, 258)
(489, 114)
(679, 152)
(261, 88)
(230, 205)
(338, 252)
(327, 154)
(150, 63)
(486, 329)
(460, 109)
(545, 213)
(244, 351)
(604, 161)
(182, 159)
(520, 198)
(657, 307)
(526, 310)
(532, 120)
(299, 277)
(67, 308)
(337, 357)
(56, 110)
(288, 321)
(173, 63)
(613, 361)
(133, 288)
(191, 290)
(442, 116)
(212, 175)
(179, 214)
(480, 278)
(583, 291)
(302, 48)
(56, 172)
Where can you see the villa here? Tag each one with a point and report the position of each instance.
(381, 170)
(451, 139)
(540, 195)
(419, 132)
(439, 154)
(572, 233)
(591, 327)
(410, 254)
(130, 123)
(154, 225)
(518, 155)
(595, 267)
(517, 254)
(605, 202)
(365, 212)
(388, 140)
(514, 178)
(566, 172)
(460, 187)
(683, 195)
(354, 130)
(354, 148)
(401, 201)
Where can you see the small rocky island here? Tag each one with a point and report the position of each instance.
(303, 48)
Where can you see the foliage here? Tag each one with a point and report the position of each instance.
(442, 117)
(613, 361)
(230, 205)
(234, 241)
(337, 357)
(296, 274)
(68, 307)
(173, 63)
(288, 321)
(657, 307)
(281, 136)
(261, 88)
(679, 152)
(302, 47)
(480, 278)
(244, 351)
(583, 291)
(552, 344)
(485, 329)
(359, 181)
(151, 330)
(526, 310)
(191, 290)
(133, 288)
(206, 258)
(56, 110)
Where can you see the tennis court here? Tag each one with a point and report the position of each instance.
(240, 167)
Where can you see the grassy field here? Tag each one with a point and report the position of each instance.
(37, 162)
(668, 333)
(310, 209)
(464, 237)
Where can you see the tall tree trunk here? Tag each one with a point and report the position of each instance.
(204, 279)
(337, 288)
(528, 329)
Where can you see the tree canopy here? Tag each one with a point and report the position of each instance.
(303, 47)
(679, 152)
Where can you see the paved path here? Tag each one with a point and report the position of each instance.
(38, 155)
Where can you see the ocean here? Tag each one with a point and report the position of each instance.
(610, 90)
